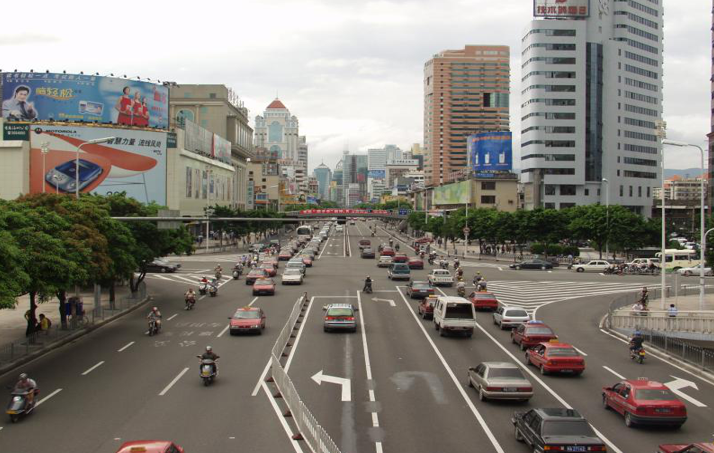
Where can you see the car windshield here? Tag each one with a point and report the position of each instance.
(251, 314)
(568, 428)
(459, 311)
(655, 395)
(339, 312)
(505, 373)
(255, 272)
(562, 352)
(516, 313)
(539, 331)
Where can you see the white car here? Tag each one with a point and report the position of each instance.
(592, 266)
(384, 261)
(292, 276)
(339, 228)
(687, 271)
(510, 317)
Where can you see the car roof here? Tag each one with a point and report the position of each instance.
(557, 344)
(350, 306)
(451, 299)
(558, 413)
(144, 446)
(420, 282)
(645, 384)
(500, 365)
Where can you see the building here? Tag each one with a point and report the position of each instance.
(323, 174)
(399, 167)
(375, 188)
(711, 129)
(337, 193)
(313, 187)
(592, 93)
(354, 172)
(682, 189)
(499, 192)
(466, 91)
(277, 131)
(218, 109)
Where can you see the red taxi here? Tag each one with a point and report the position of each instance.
(264, 286)
(272, 260)
(285, 255)
(269, 269)
(415, 263)
(556, 357)
(247, 319)
(387, 251)
(426, 307)
(645, 402)
(532, 333)
(424, 240)
(399, 258)
(254, 275)
(705, 447)
(484, 301)
(149, 446)
(306, 260)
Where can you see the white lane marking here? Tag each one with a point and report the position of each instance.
(125, 346)
(0, 428)
(261, 379)
(161, 277)
(614, 372)
(169, 319)
(391, 302)
(48, 397)
(678, 384)
(171, 384)
(334, 297)
(581, 352)
(385, 291)
(379, 447)
(500, 268)
(344, 243)
(367, 363)
(299, 335)
(202, 297)
(93, 368)
(286, 427)
(223, 331)
(324, 248)
(450, 372)
(252, 302)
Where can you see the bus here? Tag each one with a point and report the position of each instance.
(677, 259)
(304, 233)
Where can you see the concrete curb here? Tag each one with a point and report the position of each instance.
(7, 368)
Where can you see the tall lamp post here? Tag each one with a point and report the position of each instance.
(76, 163)
(661, 133)
(45, 149)
(703, 236)
(607, 216)
(209, 211)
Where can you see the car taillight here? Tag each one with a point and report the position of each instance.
(505, 320)
(525, 389)
(349, 318)
(553, 448)
(330, 318)
(494, 389)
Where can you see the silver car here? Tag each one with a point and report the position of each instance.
(292, 276)
(500, 380)
(296, 264)
(510, 317)
(340, 317)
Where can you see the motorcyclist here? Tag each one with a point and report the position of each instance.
(644, 297)
(482, 285)
(367, 284)
(219, 272)
(204, 280)
(460, 273)
(457, 263)
(190, 295)
(461, 288)
(636, 342)
(155, 315)
(372, 233)
(25, 384)
(391, 242)
(477, 278)
(210, 355)
(396, 247)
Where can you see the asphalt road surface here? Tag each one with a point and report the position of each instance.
(408, 387)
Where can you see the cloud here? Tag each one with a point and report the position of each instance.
(27, 39)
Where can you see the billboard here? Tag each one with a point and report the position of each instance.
(457, 193)
(561, 8)
(491, 151)
(377, 174)
(133, 162)
(221, 149)
(78, 97)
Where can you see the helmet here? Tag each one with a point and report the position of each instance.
(478, 273)
(644, 289)
(638, 333)
(23, 376)
(209, 349)
(155, 309)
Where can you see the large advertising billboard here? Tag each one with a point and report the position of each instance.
(78, 97)
(449, 194)
(133, 162)
(491, 151)
(377, 174)
(561, 8)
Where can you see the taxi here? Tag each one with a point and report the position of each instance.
(306, 260)
(531, 334)
(415, 263)
(556, 357)
(269, 269)
(426, 307)
(264, 286)
(705, 447)
(285, 255)
(484, 301)
(645, 402)
(254, 275)
(247, 319)
(272, 260)
(400, 258)
(149, 446)
(386, 251)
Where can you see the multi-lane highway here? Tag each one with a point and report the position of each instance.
(407, 387)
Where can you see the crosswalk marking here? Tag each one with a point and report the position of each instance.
(190, 279)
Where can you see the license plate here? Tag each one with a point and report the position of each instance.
(662, 411)
(567, 371)
(576, 448)
(11, 412)
(510, 390)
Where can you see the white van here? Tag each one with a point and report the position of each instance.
(454, 314)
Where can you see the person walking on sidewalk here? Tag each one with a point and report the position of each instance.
(31, 324)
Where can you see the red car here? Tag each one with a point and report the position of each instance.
(484, 301)
(645, 402)
(706, 447)
(285, 255)
(419, 290)
(424, 240)
(415, 263)
(264, 286)
(399, 258)
(269, 269)
(247, 319)
(149, 446)
(306, 260)
(274, 261)
(532, 333)
(387, 251)
(556, 357)
(426, 307)
(254, 275)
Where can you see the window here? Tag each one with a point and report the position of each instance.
(488, 199)
(212, 95)
(550, 206)
(488, 185)
(641, 97)
(648, 192)
(275, 132)
(550, 189)
(642, 72)
(637, 161)
(640, 174)
(630, 190)
(587, 192)
(567, 190)
(622, 190)
(639, 191)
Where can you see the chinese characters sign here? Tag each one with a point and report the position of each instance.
(561, 8)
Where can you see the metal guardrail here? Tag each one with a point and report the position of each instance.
(311, 431)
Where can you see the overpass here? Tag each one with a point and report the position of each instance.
(289, 216)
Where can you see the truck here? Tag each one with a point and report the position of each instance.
(441, 277)
(454, 315)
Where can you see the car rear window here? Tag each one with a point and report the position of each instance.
(459, 311)
(539, 331)
(562, 352)
(421, 286)
(516, 313)
(339, 312)
(505, 373)
(263, 281)
(568, 428)
(247, 315)
(654, 395)
(484, 296)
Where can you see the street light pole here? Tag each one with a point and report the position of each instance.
(607, 216)
(45, 149)
(76, 163)
(208, 204)
(661, 132)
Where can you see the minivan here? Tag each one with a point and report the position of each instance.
(399, 271)
(454, 314)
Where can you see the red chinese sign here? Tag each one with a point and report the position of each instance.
(344, 211)
(561, 8)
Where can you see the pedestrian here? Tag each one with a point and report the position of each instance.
(672, 311)
(31, 323)
(45, 323)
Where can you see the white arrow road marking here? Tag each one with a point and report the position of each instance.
(391, 302)
(344, 382)
(678, 384)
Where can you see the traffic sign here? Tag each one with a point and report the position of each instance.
(467, 230)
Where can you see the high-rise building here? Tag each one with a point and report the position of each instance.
(592, 94)
(354, 167)
(711, 129)
(277, 130)
(466, 91)
(323, 174)
(337, 194)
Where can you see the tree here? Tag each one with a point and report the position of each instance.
(590, 223)
(417, 221)
(13, 261)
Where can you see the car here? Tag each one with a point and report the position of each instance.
(400, 258)
(272, 260)
(247, 319)
(399, 271)
(296, 264)
(307, 259)
(454, 315)
(559, 429)
(162, 266)
(415, 263)
(254, 275)
(592, 266)
(500, 380)
(424, 240)
(532, 264)
(257, 248)
(264, 286)
(285, 255)
(269, 269)
(292, 276)
(644, 402)
(420, 290)
(340, 317)
(509, 317)
(384, 261)
(386, 251)
(426, 307)
(439, 277)
(484, 301)
(339, 228)
(364, 243)
(150, 446)
(367, 253)
(556, 357)
(532, 333)
(703, 447)
(689, 271)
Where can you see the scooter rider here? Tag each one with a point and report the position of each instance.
(25, 384)
(190, 296)
(155, 315)
(644, 297)
(636, 342)
(482, 285)
(461, 288)
(210, 355)
(367, 285)
(219, 272)
(477, 278)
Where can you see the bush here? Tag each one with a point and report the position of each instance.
(537, 249)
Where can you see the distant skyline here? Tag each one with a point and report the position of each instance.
(351, 72)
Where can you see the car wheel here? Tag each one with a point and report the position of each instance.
(580, 269)
(544, 267)
(469, 382)
(325, 329)
(542, 370)
(436, 326)
(687, 273)
(495, 322)
(604, 403)
(522, 346)
(513, 340)
(518, 268)
(163, 270)
(519, 436)
(441, 332)
(481, 395)
(527, 360)
(628, 420)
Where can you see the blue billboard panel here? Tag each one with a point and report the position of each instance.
(491, 151)
(78, 97)
(377, 174)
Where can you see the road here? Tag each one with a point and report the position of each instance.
(408, 388)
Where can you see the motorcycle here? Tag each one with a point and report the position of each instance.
(431, 260)
(372, 233)
(236, 274)
(638, 355)
(20, 405)
(208, 373)
(461, 291)
(218, 275)
(367, 288)
(202, 288)
(212, 291)
(190, 302)
(153, 327)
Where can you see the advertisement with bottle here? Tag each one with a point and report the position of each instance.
(491, 151)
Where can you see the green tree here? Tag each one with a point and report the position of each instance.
(13, 262)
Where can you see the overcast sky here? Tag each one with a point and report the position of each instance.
(351, 71)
